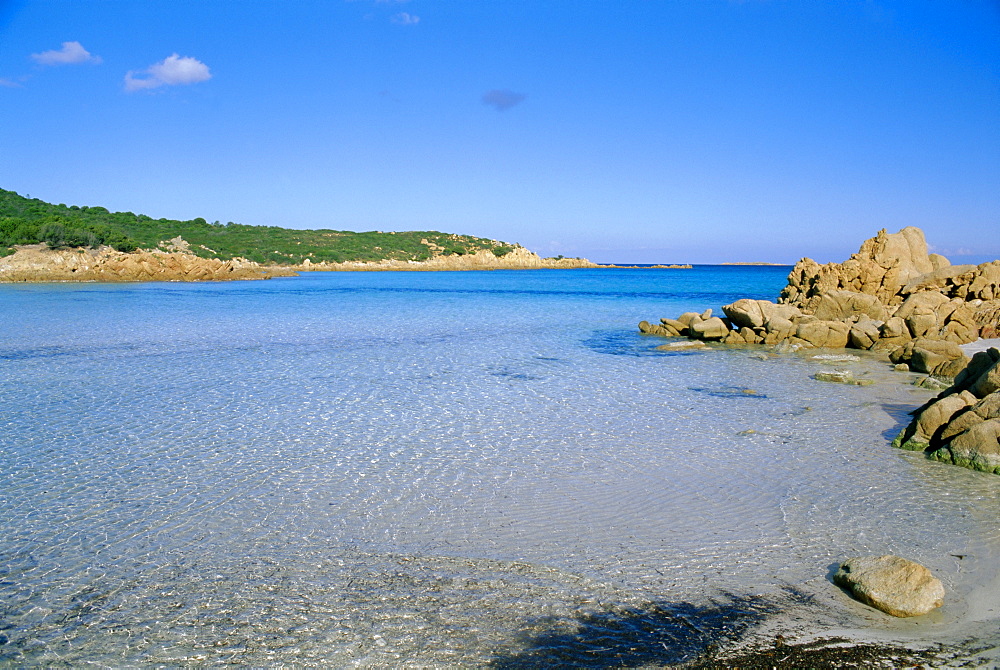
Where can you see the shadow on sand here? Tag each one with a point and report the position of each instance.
(661, 634)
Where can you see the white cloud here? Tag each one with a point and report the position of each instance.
(9, 84)
(405, 19)
(502, 100)
(171, 71)
(72, 53)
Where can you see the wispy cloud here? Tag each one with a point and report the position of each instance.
(7, 83)
(502, 99)
(72, 53)
(405, 19)
(171, 71)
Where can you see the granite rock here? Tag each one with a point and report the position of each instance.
(892, 584)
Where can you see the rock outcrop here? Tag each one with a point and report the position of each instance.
(962, 424)
(173, 261)
(517, 259)
(891, 296)
(895, 585)
(37, 263)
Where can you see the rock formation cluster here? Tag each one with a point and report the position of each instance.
(894, 298)
(38, 263)
(891, 296)
(962, 424)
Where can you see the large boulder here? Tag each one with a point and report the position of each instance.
(937, 357)
(895, 585)
(931, 423)
(988, 382)
(712, 328)
(983, 410)
(842, 305)
(747, 313)
(977, 448)
(864, 333)
(830, 334)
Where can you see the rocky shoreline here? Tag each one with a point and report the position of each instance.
(174, 262)
(38, 263)
(895, 299)
(517, 259)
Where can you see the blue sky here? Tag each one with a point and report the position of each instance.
(622, 131)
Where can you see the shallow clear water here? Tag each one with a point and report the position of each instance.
(441, 468)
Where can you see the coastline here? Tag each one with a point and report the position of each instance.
(37, 263)
(174, 262)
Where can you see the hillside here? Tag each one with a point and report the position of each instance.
(31, 221)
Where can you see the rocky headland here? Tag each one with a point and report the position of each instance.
(518, 258)
(173, 261)
(38, 263)
(894, 298)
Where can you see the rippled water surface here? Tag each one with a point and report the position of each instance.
(440, 468)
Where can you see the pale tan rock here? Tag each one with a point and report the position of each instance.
(780, 327)
(892, 584)
(980, 363)
(755, 313)
(689, 318)
(985, 409)
(977, 448)
(925, 301)
(841, 304)
(988, 382)
(675, 324)
(922, 323)
(986, 284)
(924, 355)
(831, 334)
(750, 336)
(895, 327)
(941, 278)
(745, 313)
(938, 261)
(37, 263)
(949, 369)
(960, 325)
(712, 328)
(648, 328)
(938, 415)
(863, 334)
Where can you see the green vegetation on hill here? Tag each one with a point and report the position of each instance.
(31, 221)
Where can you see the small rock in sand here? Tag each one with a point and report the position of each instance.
(895, 585)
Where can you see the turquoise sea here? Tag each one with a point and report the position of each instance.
(449, 469)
